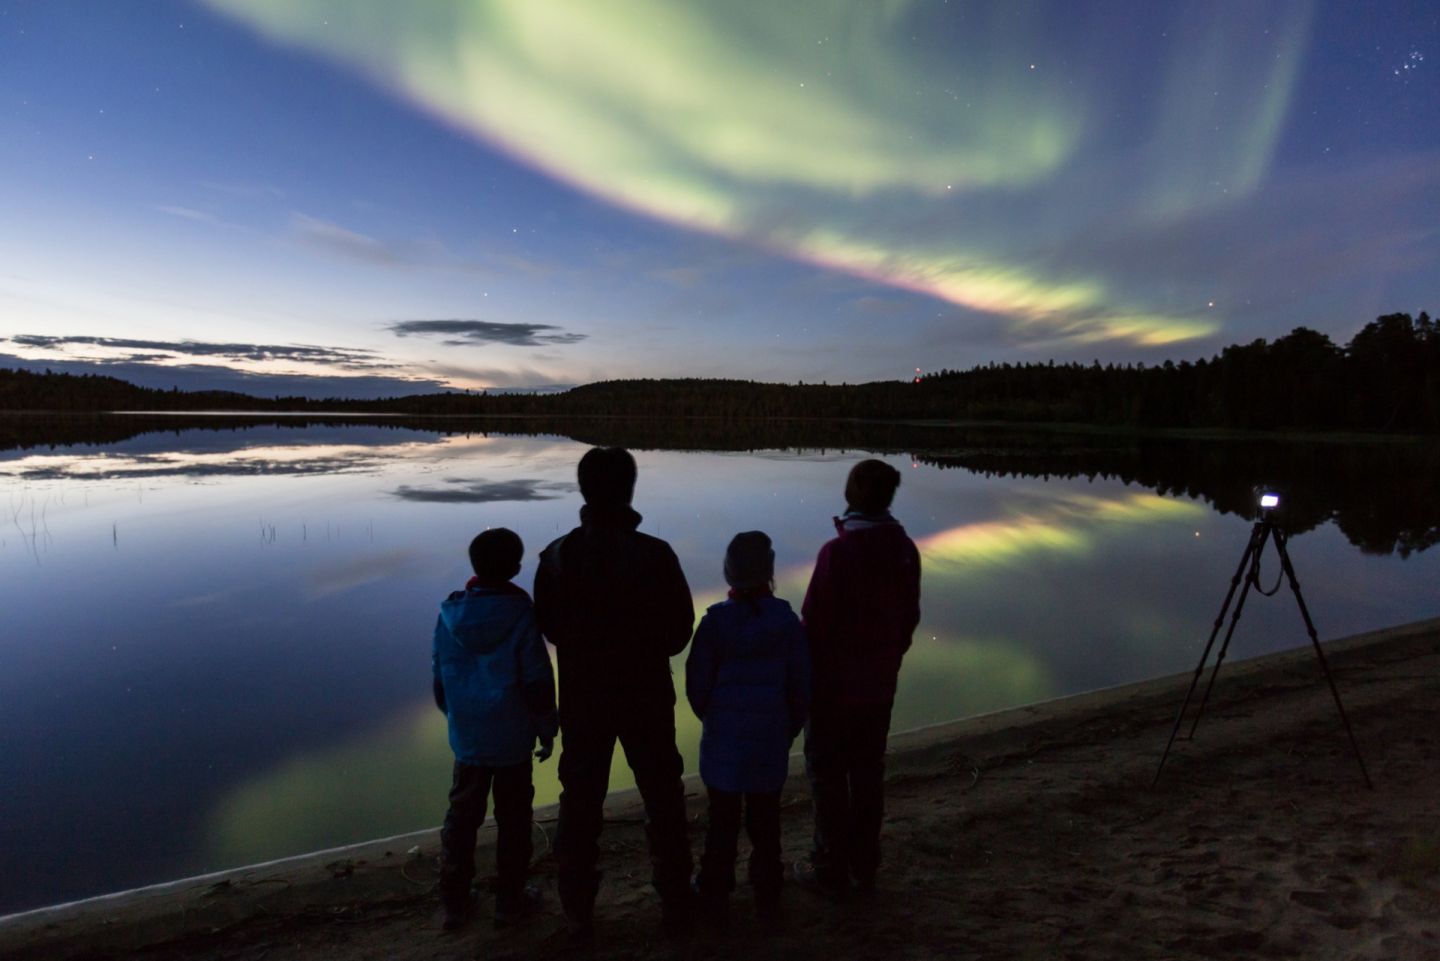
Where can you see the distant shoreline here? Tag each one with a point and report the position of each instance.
(1385, 381)
(928, 424)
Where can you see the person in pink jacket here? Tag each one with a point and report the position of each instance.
(860, 611)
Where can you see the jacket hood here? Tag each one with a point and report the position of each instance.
(853, 521)
(596, 524)
(755, 621)
(482, 620)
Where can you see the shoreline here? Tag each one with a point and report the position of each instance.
(1101, 429)
(399, 870)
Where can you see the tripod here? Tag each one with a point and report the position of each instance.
(1249, 570)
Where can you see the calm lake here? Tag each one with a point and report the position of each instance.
(216, 634)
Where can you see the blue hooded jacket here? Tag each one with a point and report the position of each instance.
(498, 687)
(748, 680)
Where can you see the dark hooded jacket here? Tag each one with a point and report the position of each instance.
(616, 605)
(748, 680)
(494, 673)
(860, 611)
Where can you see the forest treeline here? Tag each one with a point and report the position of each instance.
(1386, 379)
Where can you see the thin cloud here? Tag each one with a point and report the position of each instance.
(335, 239)
(188, 213)
(686, 278)
(485, 492)
(512, 380)
(211, 376)
(247, 191)
(469, 333)
(304, 353)
(155, 466)
(425, 253)
(199, 216)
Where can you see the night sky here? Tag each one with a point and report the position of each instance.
(337, 197)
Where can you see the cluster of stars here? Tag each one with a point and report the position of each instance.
(1412, 62)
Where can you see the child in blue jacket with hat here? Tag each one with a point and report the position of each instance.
(748, 680)
(494, 682)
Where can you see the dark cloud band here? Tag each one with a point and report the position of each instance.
(307, 353)
(484, 492)
(210, 376)
(468, 333)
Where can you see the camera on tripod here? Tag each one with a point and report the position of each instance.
(1267, 498)
(1265, 529)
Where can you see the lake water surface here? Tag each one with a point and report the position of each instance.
(215, 643)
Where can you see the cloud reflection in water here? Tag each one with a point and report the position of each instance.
(306, 460)
(462, 491)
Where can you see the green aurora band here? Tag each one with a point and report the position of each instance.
(956, 150)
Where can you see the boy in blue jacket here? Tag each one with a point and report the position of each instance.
(748, 680)
(494, 682)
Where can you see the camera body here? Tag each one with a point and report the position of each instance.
(1267, 498)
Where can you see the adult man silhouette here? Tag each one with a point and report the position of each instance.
(616, 605)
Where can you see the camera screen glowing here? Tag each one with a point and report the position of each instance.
(1267, 501)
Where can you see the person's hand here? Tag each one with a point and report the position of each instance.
(547, 747)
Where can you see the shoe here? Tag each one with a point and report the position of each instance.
(516, 908)
(577, 903)
(807, 876)
(458, 912)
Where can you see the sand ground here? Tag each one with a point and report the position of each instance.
(1031, 834)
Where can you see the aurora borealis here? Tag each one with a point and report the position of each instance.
(820, 190)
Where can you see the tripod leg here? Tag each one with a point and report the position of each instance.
(1289, 570)
(1205, 654)
(1251, 578)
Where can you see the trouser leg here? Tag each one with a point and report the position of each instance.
(827, 769)
(762, 825)
(585, 753)
(514, 799)
(469, 786)
(717, 864)
(867, 789)
(649, 742)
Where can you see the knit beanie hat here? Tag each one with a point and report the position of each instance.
(749, 561)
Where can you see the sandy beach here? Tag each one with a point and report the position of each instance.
(1033, 833)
